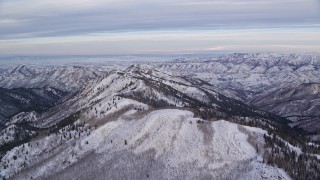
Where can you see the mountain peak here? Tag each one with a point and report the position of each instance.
(139, 68)
(21, 69)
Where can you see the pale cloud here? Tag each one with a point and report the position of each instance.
(218, 48)
(169, 42)
(25, 25)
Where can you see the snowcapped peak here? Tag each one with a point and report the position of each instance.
(21, 70)
(21, 66)
(139, 68)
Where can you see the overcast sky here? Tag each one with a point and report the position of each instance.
(158, 26)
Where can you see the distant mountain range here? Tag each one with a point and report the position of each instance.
(70, 79)
(256, 77)
(239, 116)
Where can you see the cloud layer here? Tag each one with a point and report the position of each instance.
(48, 21)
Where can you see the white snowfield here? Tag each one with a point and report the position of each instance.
(161, 144)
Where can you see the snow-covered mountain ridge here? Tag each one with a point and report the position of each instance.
(142, 123)
(68, 78)
(14, 101)
(253, 77)
(164, 144)
(247, 71)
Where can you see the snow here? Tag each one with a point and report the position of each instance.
(263, 68)
(173, 140)
(178, 139)
(253, 78)
(264, 171)
(69, 78)
(8, 134)
(23, 117)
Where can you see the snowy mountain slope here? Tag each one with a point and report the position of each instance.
(250, 73)
(16, 100)
(163, 144)
(289, 101)
(158, 89)
(104, 98)
(62, 80)
(300, 103)
(253, 77)
(23, 117)
(69, 78)
(143, 123)
(13, 135)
